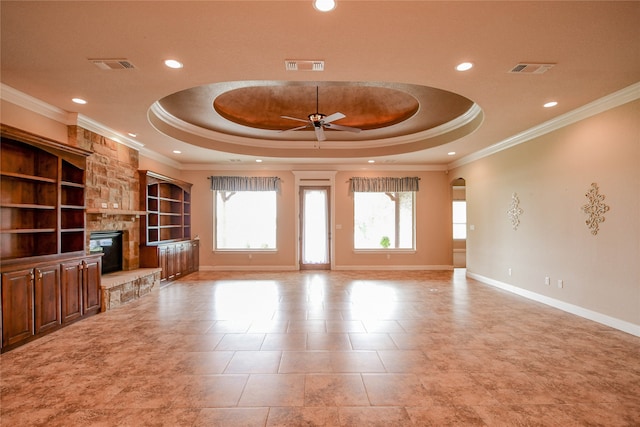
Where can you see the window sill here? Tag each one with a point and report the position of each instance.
(384, 251)
(244, 251)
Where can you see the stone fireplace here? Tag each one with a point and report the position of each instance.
(112, 202)
(112, 191)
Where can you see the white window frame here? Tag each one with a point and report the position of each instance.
(215, 225)
(458, 223)
(412, 249)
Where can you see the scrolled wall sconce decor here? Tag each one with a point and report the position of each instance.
(595, 208)
(514, 211)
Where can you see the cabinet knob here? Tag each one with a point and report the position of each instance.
(39, 273)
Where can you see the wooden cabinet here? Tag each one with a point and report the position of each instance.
(91, 293)
(17, 306)
(47, 314)
(177, 259)
(38, 300)
(71, 290)
(42, 196)
(165, 232)
(80, 288)
(47, 281)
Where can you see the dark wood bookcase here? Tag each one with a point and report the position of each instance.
(165, 232)
(167, 203)
(41, 196)
(47, 280)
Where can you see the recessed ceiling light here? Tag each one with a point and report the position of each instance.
(464, 66)
(550, 104)
(371, 161)
(177, 152)
(451, 153)
(79, 101)
(324, 5)
(172, 63)
(132, 135)
(258, 160)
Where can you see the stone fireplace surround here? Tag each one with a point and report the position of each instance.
(112, 181)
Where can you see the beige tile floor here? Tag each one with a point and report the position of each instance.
(326, 348)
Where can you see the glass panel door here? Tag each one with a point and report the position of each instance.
(314, 228)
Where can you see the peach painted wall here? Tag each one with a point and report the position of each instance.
(202, 224)
(433, 225)
(21, 118)
(147, 163)
(433, 233)
(551, 174)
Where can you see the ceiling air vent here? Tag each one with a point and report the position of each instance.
(113, 64)
(529, 68)
(299, 65)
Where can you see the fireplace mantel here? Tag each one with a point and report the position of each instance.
(114, 212)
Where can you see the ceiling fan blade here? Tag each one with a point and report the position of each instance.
(320, 133)
(295, 118)
(339, 127)
(333, 117)
(296, 128)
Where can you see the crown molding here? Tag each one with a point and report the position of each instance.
(37, 106)
(621, 97)
(311, 167)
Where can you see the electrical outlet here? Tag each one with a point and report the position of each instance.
(116, 206)
(560, 283)
(547, 280)
(104, 205)
(509, 272)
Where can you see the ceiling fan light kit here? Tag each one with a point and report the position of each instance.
(319, 122)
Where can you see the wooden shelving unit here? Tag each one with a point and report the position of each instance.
(47, 280)
(41, 196)
(167, 203)
(165, 231)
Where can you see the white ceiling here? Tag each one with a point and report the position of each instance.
(46, 47)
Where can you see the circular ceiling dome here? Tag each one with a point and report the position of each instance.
(272, 118)
(368, 107)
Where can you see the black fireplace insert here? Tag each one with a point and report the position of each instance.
(109, 243)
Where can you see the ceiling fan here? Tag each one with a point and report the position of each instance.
(320, 122)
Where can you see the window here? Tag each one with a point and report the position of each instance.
(459, 219)
(384, 220)
(245, 220)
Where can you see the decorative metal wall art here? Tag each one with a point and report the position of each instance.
(595, 208)
(514, 211)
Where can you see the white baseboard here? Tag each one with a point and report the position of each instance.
(604, 319)
(337, 267)
(393, 267)
(248, 268)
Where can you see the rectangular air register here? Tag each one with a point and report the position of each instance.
(303, 65)
(531, 68)
(113, 64)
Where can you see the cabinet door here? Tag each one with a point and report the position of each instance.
(17, 306)
(181, 260)
(171, 262)
(71, 281)
(47, 298)
(195, 255)
(91, 286)
(162, 263)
